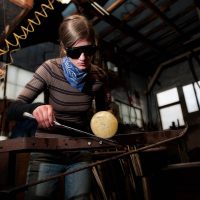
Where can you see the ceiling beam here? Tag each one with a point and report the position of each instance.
(160, 14)
(118, 24)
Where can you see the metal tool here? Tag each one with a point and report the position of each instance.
(57, 124)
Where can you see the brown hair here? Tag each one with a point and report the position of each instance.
(76, 27)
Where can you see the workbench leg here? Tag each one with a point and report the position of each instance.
(4, 170)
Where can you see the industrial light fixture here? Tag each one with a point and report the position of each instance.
(100, 9)
(23, 3)
(64, 1)
(29, 3)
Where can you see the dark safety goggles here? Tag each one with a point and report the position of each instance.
(75, 52)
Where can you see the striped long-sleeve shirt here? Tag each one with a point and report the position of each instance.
(69, 104)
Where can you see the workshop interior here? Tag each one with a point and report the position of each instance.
(150, 50)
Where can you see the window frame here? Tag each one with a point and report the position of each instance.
(119, 103)
(178, 102)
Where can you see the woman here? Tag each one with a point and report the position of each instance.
(70, 83)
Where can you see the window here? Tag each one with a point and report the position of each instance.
(167, 97)
(170, 108)
(171, 114)
(16, 80)
(130, 114)
(192, 96)
(112, 66)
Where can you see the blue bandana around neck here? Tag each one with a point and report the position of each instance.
(73, 75)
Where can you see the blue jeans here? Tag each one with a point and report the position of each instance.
(77, 185)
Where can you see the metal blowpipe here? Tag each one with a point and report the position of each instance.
(26, 114)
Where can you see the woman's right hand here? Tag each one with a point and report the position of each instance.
(44, 115)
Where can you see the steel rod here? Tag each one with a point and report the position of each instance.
(57, 124)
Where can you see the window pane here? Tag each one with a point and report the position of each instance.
(136, 117)
(130, 115)
(197, 88)
(120, 110)
(16, 80)
(167, 97)
(133, 113)
(12, 90)
(139, 117)
(40, 98)
(124, 109)
(171, 114)
(190, 98)
(126, 119)
(23, 77)
(139, 123)
(125, 114)
(12, 74)
(139, 114)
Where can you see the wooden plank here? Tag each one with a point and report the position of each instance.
(65, 143)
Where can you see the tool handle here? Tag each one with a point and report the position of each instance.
(29, 115)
